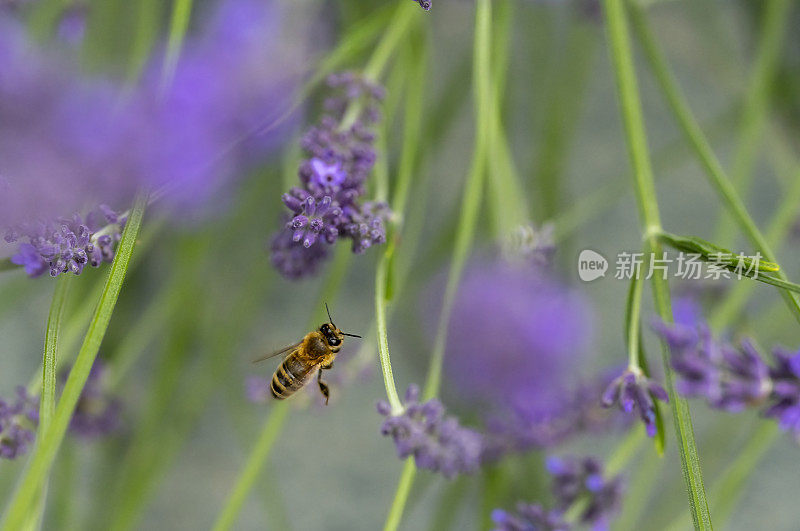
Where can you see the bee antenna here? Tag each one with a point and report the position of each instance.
(351, 335)
(329, 313)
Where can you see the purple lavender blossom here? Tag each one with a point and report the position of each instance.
(729, 378)
(633, 390)
(582, 479)
(325, 207)
(786, 391)
(18, 422)
(98, 413)
(424, 4)
(437, 443)
(295, 260)
(732, 378)
(67, 245)
(534, 332)
(529, 517)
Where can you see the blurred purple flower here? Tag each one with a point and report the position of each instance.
(633, 390)
(437, 443)
(72, 25)
(18, 422)
(67, 140)
(257, 389)
(512, 323)
(574, 481)
(582, 479)
(340, 157)
(98, 413)
(580, 411)
(529, 517)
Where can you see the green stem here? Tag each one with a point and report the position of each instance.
(253, 467)
(695, 137)
(51, 346)
(401, 496)
(634, 319)
(471, 200)
(465, 232)
(628, 90)
(47, 403)
(756, 105)
(44, 454)
(179, 22)
(383, 342)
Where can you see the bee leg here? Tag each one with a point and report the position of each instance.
(323, 387)
(328, 366)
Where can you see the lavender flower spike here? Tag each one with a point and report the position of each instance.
(325, 207)
(436, 442)
(65, 245)
(633, 390)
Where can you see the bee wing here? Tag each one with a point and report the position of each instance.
(278, 352)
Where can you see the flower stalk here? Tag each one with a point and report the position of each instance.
(45, 452)
(628, 92)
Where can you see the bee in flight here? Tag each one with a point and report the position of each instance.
(315, 352)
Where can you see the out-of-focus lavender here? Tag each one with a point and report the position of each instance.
(67, 140)
(517, 339)
(529, 517)
(734, 377)
(633, 390)
(576, 482)
(326, 207)
(18, 421)
(515, 324)
(581, 480)
(437, 442)
(98, 413)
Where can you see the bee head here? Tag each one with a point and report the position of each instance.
(331, 333)
(333, 336)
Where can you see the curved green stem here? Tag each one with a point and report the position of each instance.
(401, 496)
(695, 137)
(628, 91)
(466, 228)
(45, 452)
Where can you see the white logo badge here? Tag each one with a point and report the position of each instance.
(591, 265)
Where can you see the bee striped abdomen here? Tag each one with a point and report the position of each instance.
(290, 376)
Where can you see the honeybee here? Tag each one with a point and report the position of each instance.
(315, 352)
